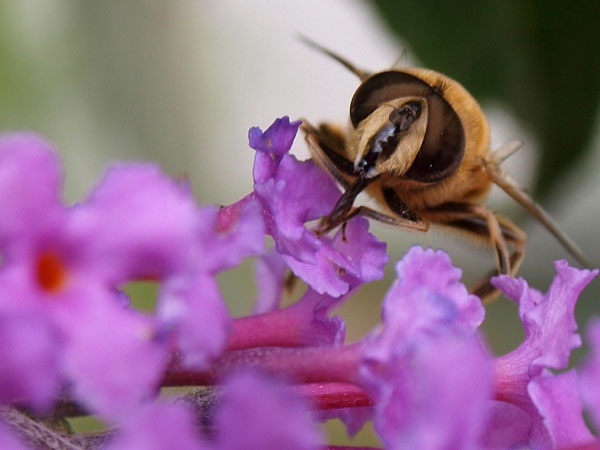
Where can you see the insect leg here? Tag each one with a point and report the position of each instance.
(397, 221)
(326, 150)
(506, 183)
(484, 288)
(480, 222)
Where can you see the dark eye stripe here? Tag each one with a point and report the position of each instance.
(383, 143)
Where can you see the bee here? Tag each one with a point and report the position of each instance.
(419, 145)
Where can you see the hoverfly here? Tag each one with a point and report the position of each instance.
(419, 145)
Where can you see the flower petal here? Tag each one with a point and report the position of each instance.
(293, 193)
(426, 369)
(277, 139)
(428, 298)
(433, 398)
(522, 376)
(113, 356)
(270, 271)
(508, 426)
(137, 223)
(561, 423)
(343, 264)
(158, 426)
(28, 348)
(259, 412)
(30, 342)
(30, 184)
(590, 372)
(271, 146)
(10, 441)
(231, 235)
(194, 310)
(429, 273)
(548, 320)
(299, 192)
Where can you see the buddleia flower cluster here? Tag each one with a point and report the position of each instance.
(71, 343)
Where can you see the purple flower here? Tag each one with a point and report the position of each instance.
(147, 233)
(278, 138)
(426, 370)
(428, 296)
(271, 146)
(522, 376)
(195, 313)
(192, 304)
(113, 357)
(424, 376)
(257, 411)
(158, 426)
(508, 424)
(341, 265)
(9, 440)
(61, 268)
(270, 277)
(590, 372)
(27, 345)
(254, 412)
(233, 234)
(557, 403)
(293, 193)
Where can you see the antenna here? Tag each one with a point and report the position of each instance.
(362, 74)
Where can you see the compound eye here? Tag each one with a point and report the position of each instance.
(443, 146)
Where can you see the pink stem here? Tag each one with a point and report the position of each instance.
(304, 364)
(301, 324)
(277, 328)
(334, 395)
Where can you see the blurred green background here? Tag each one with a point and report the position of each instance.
(181, 82)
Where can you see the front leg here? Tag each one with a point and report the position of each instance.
(401, 217)
(327, 149)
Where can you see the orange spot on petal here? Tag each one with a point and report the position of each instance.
(51, 272)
